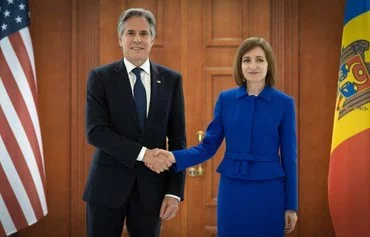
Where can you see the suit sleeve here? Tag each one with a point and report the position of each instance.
(288, 149)
(208, 147)
(176, 139)
(98, 131)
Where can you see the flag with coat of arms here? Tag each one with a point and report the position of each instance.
(349, 170)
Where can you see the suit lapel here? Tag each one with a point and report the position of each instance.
(125, 92)
(156, 86)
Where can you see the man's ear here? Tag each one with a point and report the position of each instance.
(120, 42)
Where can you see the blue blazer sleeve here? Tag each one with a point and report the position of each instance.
(288, 149)
(208, 147)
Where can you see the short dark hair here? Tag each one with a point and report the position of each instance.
(139, 12)
(247, 45)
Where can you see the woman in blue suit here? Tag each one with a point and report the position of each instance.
(258, 185)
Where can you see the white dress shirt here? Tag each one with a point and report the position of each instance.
(145, 78)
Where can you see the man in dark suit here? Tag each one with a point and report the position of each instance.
(132, 106)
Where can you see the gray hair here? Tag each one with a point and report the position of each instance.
(140, 12)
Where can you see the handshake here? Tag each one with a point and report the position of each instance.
(158, 160)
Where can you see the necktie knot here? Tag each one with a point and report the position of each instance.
(137, 72)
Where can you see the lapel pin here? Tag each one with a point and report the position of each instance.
(159, 82)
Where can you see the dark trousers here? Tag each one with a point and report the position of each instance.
(108, 222)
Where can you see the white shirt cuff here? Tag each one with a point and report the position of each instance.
(174, 196)
(140, 157)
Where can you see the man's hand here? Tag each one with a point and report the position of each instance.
(169, 155)
(156, 161)
(163, 155)
(170, 206)
(290, 220)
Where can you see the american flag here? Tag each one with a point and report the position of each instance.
(22, 170)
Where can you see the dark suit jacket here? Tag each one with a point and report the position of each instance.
(112, 127)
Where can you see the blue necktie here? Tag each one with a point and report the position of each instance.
(139, 96)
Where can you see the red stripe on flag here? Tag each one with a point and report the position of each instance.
(22, 111)
(24, 59)
(2, 231)
(10, 200)
(349, 180)
(20, 165)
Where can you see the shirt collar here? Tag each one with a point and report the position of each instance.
(265, 94)
(145, 66)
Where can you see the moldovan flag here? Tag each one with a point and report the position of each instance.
(22, 173)
(349, 172)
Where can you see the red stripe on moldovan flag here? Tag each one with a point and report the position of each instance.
(349, 181)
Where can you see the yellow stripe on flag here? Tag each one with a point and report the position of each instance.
(358, 119)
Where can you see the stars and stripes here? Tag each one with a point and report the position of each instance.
(22, 171)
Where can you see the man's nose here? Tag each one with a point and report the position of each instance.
(137, 38)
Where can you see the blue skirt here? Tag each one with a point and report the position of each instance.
(250, 208)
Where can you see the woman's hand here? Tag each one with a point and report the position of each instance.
(290, 220)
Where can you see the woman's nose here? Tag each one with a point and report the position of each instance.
(252, 65)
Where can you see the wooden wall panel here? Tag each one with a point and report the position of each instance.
(216, 79)
(109, 11)
(85, 44)
(321, 24)
(259, 18)
(167, 45)
(224, 22)
(284, 40)
(50, 32)
(65, 45)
